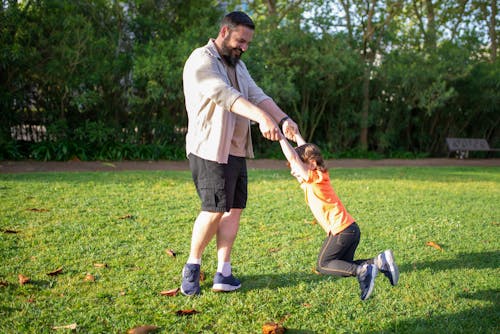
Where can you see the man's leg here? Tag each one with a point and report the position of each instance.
(204, 229)
(226, 235)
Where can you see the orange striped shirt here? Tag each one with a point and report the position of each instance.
(324, 203)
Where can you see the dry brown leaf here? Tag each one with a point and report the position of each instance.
(55, 272)
(37, 210)
(170, 293)
(23, 279)
(186, 312)
(31, 300)
(71, 326)
(100, 265)
(127, 217)
(89, 278)
(272, 328)
(435, 245)
(202, 276)
(306, 305)
(143, 329)
(315, 271)
(9, 231)
(274, 250)
(170, 252)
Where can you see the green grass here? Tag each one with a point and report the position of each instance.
(128, 219)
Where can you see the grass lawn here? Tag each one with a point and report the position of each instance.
(110, 232)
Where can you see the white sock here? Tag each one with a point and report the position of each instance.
(193, 260)
(224, 268)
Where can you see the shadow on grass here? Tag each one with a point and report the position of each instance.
(481, 260)
(274, 281)
(475, 320)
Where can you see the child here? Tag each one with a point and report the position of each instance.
(336, 257)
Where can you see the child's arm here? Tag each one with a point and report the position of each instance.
(299, 140)
(299, 169)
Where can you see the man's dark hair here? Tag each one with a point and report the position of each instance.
(234, 19)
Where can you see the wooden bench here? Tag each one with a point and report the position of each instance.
(462, 146)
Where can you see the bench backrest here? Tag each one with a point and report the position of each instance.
(467, 144)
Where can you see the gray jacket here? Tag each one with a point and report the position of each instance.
(209, 97)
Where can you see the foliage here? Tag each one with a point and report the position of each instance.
(117, 228)
(97, 77)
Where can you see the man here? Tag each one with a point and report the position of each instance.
(221, 99)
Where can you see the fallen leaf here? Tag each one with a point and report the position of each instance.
(284, 318)
(306, 305)
(272, 328)
(100, 265)
(37, 210)
(274, 250)
(143, 329)
(170, 252)
(8, 231)
(315, 271)
(127, 217)
(89, 278)
(435, 245)
(55, 272)
(170, 293)
(109, 164)
(31, 300)
(186, 312)
(72, 327)
(202, 276)
(23, 279)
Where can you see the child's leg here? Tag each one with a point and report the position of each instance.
(337, 253)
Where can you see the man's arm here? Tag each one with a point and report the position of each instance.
(267, 125)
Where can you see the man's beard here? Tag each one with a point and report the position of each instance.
(229, 56)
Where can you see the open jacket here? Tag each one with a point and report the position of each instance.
(209, 97)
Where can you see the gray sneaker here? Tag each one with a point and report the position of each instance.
(386, 264)
(190, 279)
(366, 278)
(225, 284)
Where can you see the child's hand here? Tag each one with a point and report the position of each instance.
(290, 128)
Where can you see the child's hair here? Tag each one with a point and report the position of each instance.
(310, 152)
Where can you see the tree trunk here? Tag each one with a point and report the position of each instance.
(430, 35)
(367, 58)
(363, 140)
(492, 31)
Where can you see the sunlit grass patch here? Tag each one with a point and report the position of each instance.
(117, 227)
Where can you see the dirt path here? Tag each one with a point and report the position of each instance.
(89, 166)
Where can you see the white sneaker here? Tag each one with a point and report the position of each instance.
(386, 264)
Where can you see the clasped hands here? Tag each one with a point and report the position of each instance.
(274, 133)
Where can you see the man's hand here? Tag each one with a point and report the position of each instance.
(270, 129)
